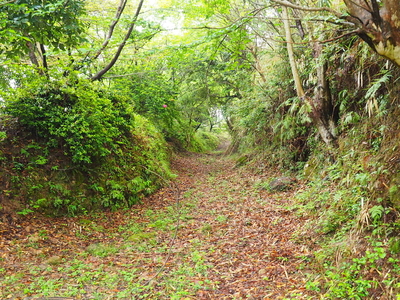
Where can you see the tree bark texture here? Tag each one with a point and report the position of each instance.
(292, 61)
(379, 25)
(322, 112)
(321, 104)
(32, 55)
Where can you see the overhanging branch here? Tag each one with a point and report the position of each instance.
(100, 74)
(7, 2)
(118, 14)
(294, 6)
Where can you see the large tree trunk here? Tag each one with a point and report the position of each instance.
(321, 104)
(322, 112)
(379, 25)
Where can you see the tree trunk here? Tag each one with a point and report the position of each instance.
(44, 57)
(322, 109)
(292, 61)
(321, 104)
(235, 138)
(32, 55)
(379, 25)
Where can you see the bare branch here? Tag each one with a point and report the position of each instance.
(339, 37)
(294, 6)
(120, 10)
(121, 46)
(354, 32)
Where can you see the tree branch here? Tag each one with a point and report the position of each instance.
(375, 13)
(121, 46)
(354, 32)
(44, 56)
(120, 10)
(133, 74)
(294, 6)
(8, 2)
(340, 36)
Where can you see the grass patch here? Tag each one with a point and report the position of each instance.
(102, 250)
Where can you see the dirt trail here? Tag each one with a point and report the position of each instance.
(234, 241)
(246, 232)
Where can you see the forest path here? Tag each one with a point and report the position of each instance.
(213, 234)
(247, 234)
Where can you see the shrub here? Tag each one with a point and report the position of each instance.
(79, 148)
(74, 117)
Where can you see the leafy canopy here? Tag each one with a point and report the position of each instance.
(54, 23)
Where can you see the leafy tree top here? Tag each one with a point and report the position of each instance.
(53, 23)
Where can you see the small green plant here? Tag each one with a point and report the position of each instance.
(43, 234)
(353, 280)
(101, 250)
(163, 224)
(376, 212)
(394, 245)
(40, 160)
(25, 211)
(3, 135)
(222, 218)
(206, 229)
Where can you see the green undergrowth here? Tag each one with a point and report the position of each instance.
(205, 141)
(354, 215)
(74, 148)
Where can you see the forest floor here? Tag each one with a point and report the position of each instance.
(212, 234)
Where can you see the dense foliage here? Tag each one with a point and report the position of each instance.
(56, 24)
(88, 144)
(73, 116)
